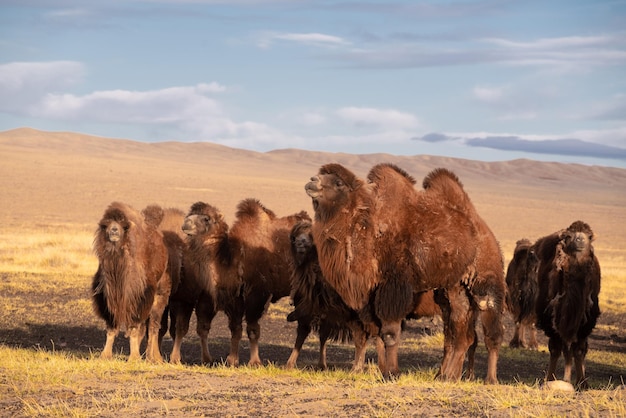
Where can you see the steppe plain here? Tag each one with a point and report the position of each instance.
(56, 185)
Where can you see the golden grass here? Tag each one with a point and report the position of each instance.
(60, 249)
(94, 387)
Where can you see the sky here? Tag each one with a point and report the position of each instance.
(490, 80)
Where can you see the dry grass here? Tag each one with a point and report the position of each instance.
(82, 387)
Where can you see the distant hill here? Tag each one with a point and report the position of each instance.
(61, 177)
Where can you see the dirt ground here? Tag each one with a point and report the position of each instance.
(183, 394)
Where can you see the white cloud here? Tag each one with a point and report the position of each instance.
(381, 118)
(488, 94)
(557, 43)
(37, 90)
(189, 111)
(22, 84)
(523, 101)
(562, 54)
(170, 105)
(312, 119)
(317, 39)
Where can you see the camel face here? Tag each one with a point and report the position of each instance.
(114, 225)
(577, 242)
(113, 230)
(328, 191)
(201, 219)
(191, 224)
(302, 243)
(314, 187)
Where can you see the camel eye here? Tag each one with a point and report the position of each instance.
(339, 183)
(103, 226)
(126, 227)
(207, 220)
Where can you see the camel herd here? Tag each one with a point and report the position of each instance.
(378, 250)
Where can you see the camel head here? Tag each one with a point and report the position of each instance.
(201, 219)
(331, 188)
(301, 239)
(532, 261)
(114, 224)
(577, 239)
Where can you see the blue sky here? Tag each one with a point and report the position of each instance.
(488, 80)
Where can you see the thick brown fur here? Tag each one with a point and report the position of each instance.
(132, 284)
(521, 280)
(318, 307)
(567, 304)
(184, 295)
(211, 282)
(264, 262)
(382, 242)
(247, 267)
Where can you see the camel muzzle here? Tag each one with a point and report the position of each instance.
(189, 227)
(313, 188)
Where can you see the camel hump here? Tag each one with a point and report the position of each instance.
(252, 208)
(378, 172)
(153, 215)
(439, 175)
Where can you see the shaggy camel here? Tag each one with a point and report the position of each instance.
(521, 280)
(247, 267)
(567, 304)
(318, 307)
(132, 284)
(383, 242)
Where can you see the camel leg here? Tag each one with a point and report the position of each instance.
(459, 331)
(360, 346)
(568, 356)
(205, 312)
(532, 344)
(493, 331)
(471, 354)
(517, 340)
(254, 334)
(107, 351)
(324, 334)
(555, 347)
(164, 325)
(580, 352)
(136, 334)
(234, 312)
(154, 328)
(380, 352)
(303, 331)
(391, 333)
(179, 327)
(255, 307)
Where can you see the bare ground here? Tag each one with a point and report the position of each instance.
(199, 391)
